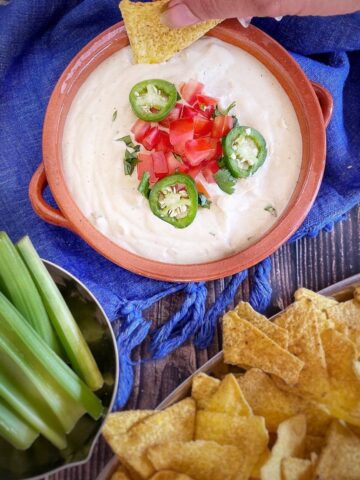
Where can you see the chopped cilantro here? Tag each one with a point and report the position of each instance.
(144, 185)
(203, 201)
(130, 162)
(221, 162)
(227, 110)
(272, 210)
(225, 180)
(114, 115)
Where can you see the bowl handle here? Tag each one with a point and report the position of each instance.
(42, 208)
(326, 101)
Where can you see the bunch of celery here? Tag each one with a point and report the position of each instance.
(39, 392)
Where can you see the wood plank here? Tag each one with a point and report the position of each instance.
(313, 263)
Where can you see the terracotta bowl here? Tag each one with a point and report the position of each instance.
(312, 103)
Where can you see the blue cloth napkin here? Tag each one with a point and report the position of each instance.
(37, 40)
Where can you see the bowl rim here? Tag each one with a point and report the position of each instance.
(310, 117)
(113, 397)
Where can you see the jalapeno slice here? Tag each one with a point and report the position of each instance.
(152, 100)
(244, 151)
(174, 199)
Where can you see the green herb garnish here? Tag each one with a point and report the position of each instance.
(225, 112)
(144, 185)
(221, 162)
(272, 210)
(130, 162)
(178, 158)
(203, 201)
(114, 115)
(178, 96)
(225, 180)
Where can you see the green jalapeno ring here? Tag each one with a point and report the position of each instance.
(174, 199)
(153, 100)
(245, 151)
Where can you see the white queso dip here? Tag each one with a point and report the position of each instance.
(93, 159)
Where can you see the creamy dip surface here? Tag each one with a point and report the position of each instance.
(93, 159)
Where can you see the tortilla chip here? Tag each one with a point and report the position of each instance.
(150, 39)
(169, 475)
(245, 344)
(344, 396)
(229, 398)
(120, 422)
(290, 443)
(199, 459)
(319, 301)
(273, 331)
(120, 474)
(357, 294)
(296, 469)
(249, 434)
(313, 444)
(175, 423)
(276, 405)
(256, 472)
(345, 318)
(203, 387)
(301, 322)
(340, 459)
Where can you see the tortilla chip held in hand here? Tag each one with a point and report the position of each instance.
(150, 39)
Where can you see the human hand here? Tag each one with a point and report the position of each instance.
(181, 13)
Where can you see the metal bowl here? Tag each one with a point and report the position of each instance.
(43, 458)
(341, 291)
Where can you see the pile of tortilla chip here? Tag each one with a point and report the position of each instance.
(152, 41)
(291, 411)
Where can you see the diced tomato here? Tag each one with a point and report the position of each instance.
(188, 112)
(219, 151)
(163, 145)
(202, 126)
(209, 170)
(160, 164)
(175, 165)
(201, 189)
(146, 164)
(140, 130)
(180, 132)
(152, 138)
(200, 150)
(190, 89)
(194, 171)
(205, 111)
(173, 115)
(207, 101)
(222, 126)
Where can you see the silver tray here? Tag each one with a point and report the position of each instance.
(341, 291)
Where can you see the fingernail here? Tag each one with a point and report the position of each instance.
(245, 22)
(179, 16)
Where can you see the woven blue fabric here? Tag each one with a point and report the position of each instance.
(37, 40)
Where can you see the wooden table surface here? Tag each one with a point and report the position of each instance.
(313, 263)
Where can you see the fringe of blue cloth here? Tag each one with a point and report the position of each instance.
(191, 321)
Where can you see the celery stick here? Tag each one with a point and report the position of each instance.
(37, 355)
(20, 289)
(26, 401)
(66, 410)
(14, 429)
(61, 317)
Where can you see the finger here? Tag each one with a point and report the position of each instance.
(187, 12)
